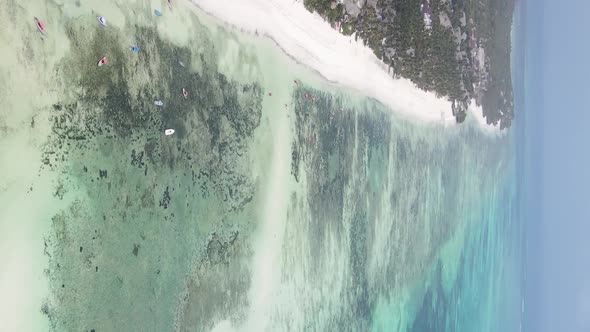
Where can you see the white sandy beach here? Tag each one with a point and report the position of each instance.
(311, 41)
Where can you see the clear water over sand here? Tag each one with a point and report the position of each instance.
(280, 203)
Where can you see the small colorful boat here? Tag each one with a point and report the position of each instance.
(135, 49)
(103, 61)
(170, 4)
(40, 26)
(184, 93)
(157, 12)
(169, 132)
(102, 21)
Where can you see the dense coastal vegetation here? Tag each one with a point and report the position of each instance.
(459, 49)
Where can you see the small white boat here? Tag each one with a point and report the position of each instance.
(185, 92)
(102, 20)
(103, 61)
(159, 103)
(169, 132)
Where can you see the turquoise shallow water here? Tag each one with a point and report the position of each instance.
(432, 220)
(280, 203)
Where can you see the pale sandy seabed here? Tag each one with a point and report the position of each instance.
(276, 205)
